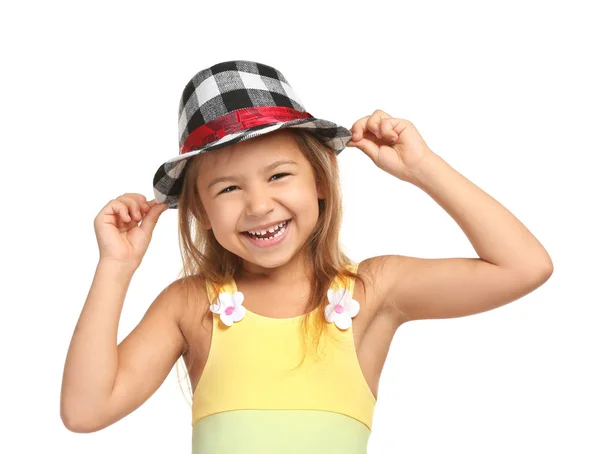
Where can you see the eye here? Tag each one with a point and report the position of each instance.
(285, 174)
(225, 191)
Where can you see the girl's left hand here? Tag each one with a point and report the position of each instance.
(393, 144)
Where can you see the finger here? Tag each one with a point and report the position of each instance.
(125, 216)
(359, 128)
(151, 218)
(374, 121)
(387, 128)
(146, 207)
(131, 210)
(139, 198)
(370, 148)
(133, 204)
(140, 201)
(400, 124)
(119, 210)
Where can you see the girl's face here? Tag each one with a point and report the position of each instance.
(250, 194)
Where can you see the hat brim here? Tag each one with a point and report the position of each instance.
(168, 179)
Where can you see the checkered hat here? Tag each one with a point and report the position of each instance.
(230, 102)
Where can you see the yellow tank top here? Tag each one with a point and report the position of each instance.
(253, 398)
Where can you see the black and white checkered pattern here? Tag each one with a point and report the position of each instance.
(222, 89)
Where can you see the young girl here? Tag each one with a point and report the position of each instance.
(283, 335)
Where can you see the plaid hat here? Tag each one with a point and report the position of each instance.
(230, 102)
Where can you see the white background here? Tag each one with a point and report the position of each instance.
(506, 92)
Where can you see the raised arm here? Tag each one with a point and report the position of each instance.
(103, 382)
(511, 262)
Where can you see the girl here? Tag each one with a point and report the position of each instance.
(284, 336)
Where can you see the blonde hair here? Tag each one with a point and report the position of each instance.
(206, 261)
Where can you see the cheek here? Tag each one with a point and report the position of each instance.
(224, 219)
(221, 217)
(305, 201)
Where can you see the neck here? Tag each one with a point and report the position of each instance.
(294, 272)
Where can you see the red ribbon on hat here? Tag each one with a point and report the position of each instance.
(239, 120)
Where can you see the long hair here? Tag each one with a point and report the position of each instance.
(206, 262)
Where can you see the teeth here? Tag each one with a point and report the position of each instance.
(263, 232)
(279, 232)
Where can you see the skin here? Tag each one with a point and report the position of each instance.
(511, 264)
(256, 197)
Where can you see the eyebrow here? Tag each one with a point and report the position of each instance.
(267, 168)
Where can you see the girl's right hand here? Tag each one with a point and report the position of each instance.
(120, 236)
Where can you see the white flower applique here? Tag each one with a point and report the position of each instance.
(229, 307)
(341, 308)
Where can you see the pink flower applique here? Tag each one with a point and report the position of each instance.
(341, 308)
(229, 307)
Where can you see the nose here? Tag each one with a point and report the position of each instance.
(258, 201)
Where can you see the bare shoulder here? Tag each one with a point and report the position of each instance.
(370, 290)
(379, 272)
(182, 301)
(193, 306)
(190, 295)
(374, 269)
(173, 298)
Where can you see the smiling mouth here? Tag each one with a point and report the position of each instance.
(285, 225)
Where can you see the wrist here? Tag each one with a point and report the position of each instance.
(421, 174)
(117, 266)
